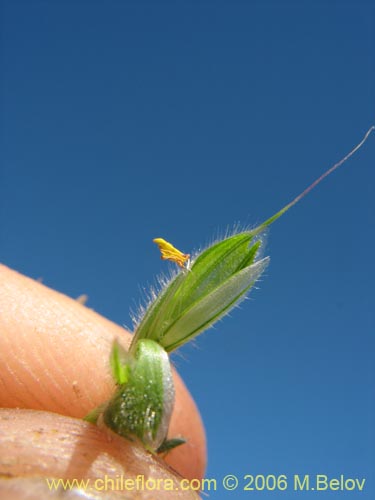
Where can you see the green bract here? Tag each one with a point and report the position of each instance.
(143, 402)
(218, 279)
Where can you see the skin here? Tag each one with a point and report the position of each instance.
(54, 369)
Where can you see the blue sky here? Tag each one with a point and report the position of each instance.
(124, 121)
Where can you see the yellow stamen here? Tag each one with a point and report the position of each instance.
(169, 252)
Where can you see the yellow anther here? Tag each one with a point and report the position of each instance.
(169, 252)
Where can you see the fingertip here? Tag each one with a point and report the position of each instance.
(54, 356)
(50, 446)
